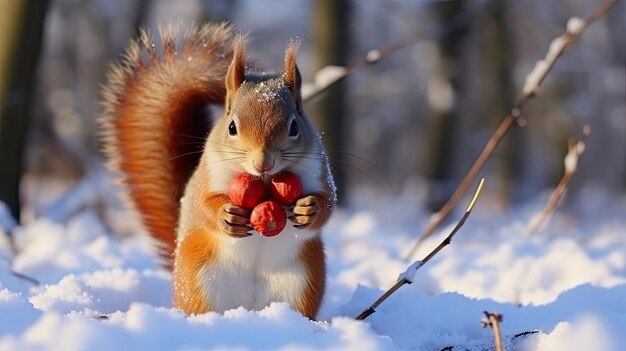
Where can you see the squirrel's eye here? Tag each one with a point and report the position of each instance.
(293, 129)
(232, 128)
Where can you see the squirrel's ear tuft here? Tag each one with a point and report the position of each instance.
(291, 74)
(236, 70)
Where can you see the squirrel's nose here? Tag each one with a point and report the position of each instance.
(265, 165)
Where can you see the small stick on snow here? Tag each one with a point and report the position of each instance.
(575, 27)
(20, 275)
(25, 277)
(575, 149)
(493, 320)
(408, 275)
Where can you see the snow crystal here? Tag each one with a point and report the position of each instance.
(270, 92)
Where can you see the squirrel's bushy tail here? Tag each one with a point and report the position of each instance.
(155, 118)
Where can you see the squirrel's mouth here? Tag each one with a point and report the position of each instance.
(265, 168)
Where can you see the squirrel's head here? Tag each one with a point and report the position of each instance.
(263, 127)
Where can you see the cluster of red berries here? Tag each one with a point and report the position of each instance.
(268, 216)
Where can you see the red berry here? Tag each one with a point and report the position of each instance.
(286, 188)
(246, 191)
(268, 218)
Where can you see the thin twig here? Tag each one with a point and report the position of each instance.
(559, 45)
(575, 150)
(20, 275)
(493, 320)
(25, 277)
(407, 276)
(329, 75)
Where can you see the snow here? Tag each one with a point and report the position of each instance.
(373, 56)
(323, 78)
(561, 289)
(410, 271)
(7, 222)
(575, 25)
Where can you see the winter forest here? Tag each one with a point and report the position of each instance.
(415, 102)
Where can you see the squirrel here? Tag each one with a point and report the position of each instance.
(175, 167)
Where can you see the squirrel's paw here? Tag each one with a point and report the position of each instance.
(305, 211)
(234, 220)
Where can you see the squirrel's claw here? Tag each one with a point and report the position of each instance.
(305, 212)
(234, 221)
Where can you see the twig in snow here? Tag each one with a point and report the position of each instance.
(575, 149)
(409, 274)
(329, 75)
(575, 27)
(493, 320)
(20, 275)
(25, 277)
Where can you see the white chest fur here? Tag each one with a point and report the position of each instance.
(255, 271)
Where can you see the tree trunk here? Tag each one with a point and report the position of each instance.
(329, 39)
(445, 113)
(22, 32)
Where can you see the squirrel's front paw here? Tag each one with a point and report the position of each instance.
(234, 220)
(305, 211)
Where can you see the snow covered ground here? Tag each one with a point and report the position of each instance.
(562, 289)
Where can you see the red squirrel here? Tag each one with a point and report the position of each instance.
(175, 168)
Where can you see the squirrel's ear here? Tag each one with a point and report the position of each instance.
(291, 74)
(236, 70)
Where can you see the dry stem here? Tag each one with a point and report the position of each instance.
(493, 320)
(575, 149)
(374, 56)
(513, 117)
(405, 279)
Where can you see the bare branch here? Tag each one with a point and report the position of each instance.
(575, 150)
(329, 75)
(558, 46)
(407, 276)
(493, 320)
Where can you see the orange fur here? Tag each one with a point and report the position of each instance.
(312, 256)
(155, 125)
(291, 73)
(153, 120)
(195, 251)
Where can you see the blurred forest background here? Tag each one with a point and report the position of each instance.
(415, 120)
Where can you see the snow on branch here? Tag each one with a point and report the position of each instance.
(574, 28)
(329, 75)
(575, 149)
(408, 276)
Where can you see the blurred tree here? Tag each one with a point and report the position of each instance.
(22, 32)
(442, 91)
(329, 38)
(499, 46)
